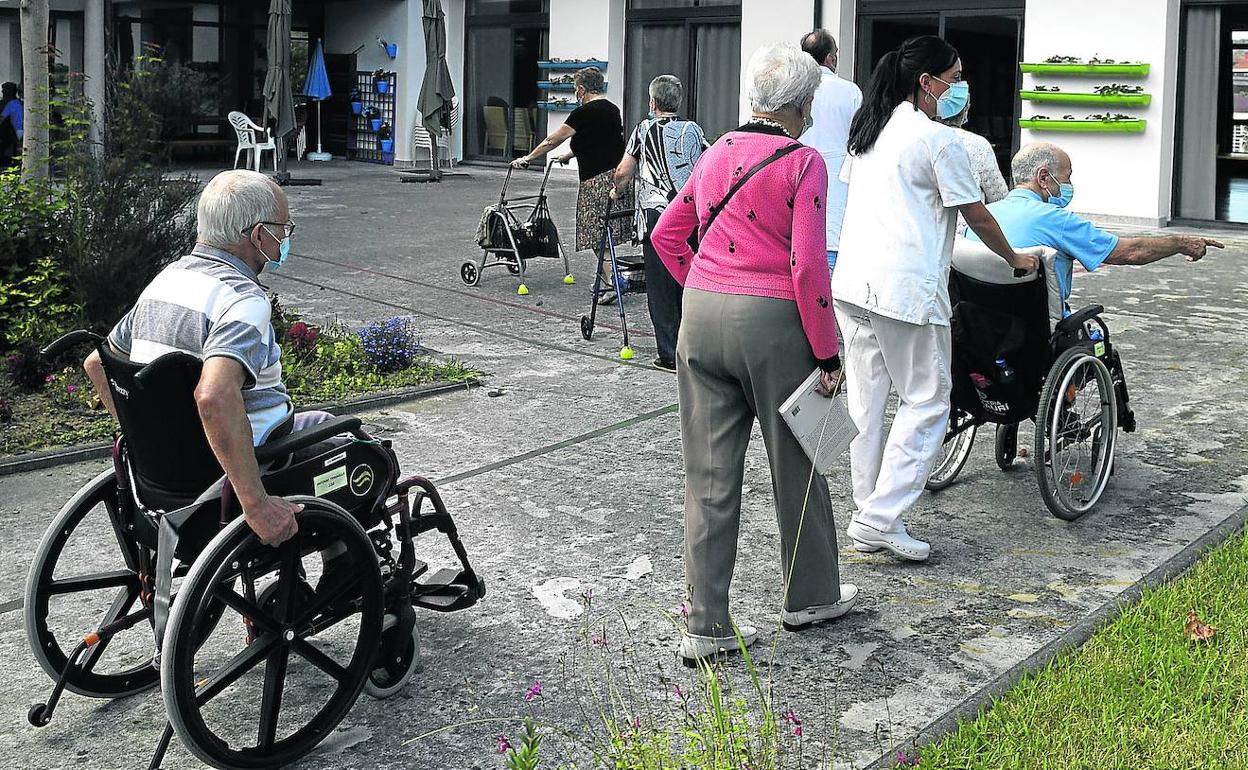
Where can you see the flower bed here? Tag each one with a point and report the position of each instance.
(42, 410)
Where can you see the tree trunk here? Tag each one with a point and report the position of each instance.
(35, 86)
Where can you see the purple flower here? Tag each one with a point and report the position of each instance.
(504, 745)
(51, 378)
(533, 691)
(71, 388)
(683, 609)
(679, 693)
(597, 640)
(792, 719)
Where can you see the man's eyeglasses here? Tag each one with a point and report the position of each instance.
(288, 228)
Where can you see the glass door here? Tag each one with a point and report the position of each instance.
(500, 115)
(698, 41)
(990, 43)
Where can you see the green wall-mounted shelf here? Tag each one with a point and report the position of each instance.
(1109, 100)
(557, 106)
(1085, 126)
(1045, 68)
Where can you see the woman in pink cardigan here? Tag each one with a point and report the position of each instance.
(757, 320)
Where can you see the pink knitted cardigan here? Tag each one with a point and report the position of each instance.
(770, 240)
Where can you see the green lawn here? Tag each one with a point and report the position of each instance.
(1138, 695)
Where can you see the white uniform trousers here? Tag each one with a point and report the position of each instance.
(889, 471)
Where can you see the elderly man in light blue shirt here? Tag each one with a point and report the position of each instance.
(836, 101)
(1034, 214)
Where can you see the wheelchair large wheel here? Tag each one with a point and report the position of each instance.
(84, 576)
(953, 456)
(1076, 431)
(260, 693)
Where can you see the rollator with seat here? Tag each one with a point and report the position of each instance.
(628, 276)
(150, 576)
(1018, 356)
(514, 231)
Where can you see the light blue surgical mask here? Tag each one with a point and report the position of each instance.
(283, 252)
(651, 115)
(955, 99)
(1065, 193)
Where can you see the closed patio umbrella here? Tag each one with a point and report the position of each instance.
(316, 86)
(279, 106)
(437, 89)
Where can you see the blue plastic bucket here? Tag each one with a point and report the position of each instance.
(375, 123)
(387, 158)
(383, 86)
(387, 146)
(392, 50)
(357, 107)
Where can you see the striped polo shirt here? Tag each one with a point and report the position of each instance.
(210, 303)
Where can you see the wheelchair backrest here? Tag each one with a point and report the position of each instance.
(981, 264)
(170, 458)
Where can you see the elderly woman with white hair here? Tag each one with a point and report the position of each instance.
(757, 320)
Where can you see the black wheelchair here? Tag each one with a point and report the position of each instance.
(259, 651)
(1016, 357)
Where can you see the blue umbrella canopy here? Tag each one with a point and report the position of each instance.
(316, 85)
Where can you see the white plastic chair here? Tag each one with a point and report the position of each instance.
(422, 143)
(444, 136)
(249, 138)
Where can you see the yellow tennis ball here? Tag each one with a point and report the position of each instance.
(626, 353)
(569, 280)
(523, 290)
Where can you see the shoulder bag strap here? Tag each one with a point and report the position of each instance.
(762, 164)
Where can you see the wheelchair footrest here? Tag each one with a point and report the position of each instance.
(447, 590)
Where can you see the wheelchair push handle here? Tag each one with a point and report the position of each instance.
(69, 340)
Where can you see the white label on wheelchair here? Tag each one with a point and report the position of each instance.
(328, 482)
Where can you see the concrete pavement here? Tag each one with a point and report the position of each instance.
(564, 474)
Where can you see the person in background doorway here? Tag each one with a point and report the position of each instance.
(596, 131)
(836, 101)
(909, 177)
(983, 160)
(757, 322)
(661, 154)
(12, 125)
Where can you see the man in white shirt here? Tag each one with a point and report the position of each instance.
(836, 101)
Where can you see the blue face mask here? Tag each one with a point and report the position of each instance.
(955, 99)
(1065, 193)
(651, 115)
(283, 251)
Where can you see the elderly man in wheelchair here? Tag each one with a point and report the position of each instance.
(268, 555)
(1021, 353)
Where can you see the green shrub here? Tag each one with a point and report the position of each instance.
(30, 228)
(37, 307)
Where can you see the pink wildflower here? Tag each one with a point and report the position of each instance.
(71, 388)
(683, 609)
(504, 745)
(533, 691)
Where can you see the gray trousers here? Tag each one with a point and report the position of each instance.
(738, 358)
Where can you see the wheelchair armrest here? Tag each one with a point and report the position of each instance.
(69, 340)
(293, 442)
(1075, 321)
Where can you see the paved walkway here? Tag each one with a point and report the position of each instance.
(565, 476)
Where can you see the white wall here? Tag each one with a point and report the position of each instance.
(10, 51)
(348, 25)
(1123, 176)
(455, 40)
(770, 21)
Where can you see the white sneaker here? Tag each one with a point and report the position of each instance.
(796, 621)
(899, 542)
(694, 646)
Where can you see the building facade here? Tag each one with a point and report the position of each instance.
(509, 60)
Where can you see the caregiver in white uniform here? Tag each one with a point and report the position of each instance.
(908, 176)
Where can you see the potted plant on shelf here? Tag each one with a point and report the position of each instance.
(381, 81)
(385, 138)
(373, 116)
(357, 102)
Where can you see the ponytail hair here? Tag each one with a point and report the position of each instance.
(896, 77)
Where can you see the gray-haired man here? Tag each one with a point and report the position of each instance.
(210, 304)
